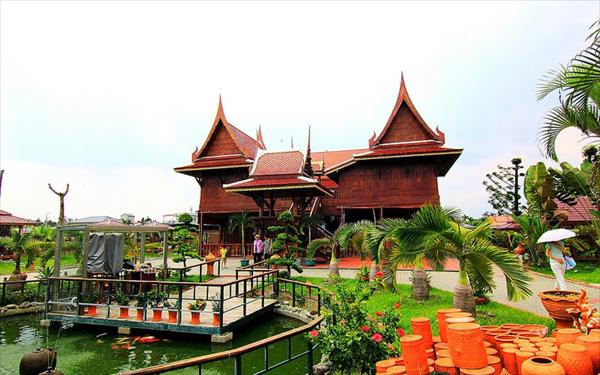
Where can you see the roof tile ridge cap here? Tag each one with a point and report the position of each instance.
(250, 179)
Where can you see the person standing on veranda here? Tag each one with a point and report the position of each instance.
(555, 252)
(224, 252)
(267, 247)
(257, 249)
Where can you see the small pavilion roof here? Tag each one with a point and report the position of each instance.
(6, 218)
(504, 222)
(115, 226)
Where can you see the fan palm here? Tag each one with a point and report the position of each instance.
(241, 222)
(19, 244)
(432, 235)
(578, 86)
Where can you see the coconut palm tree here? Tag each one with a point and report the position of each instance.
(241, 222)
(578, 87)
(432, 235)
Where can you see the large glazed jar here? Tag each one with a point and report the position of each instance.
(574, 359)
(541, 366)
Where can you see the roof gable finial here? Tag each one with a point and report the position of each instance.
(220, 111)
(259, 138)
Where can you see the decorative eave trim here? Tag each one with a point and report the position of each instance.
(181, 170)
(413, 155)
(284, 187)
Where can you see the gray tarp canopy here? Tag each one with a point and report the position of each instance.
(106, 253)
(109, 226)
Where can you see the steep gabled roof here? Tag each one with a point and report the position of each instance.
(405, 124)
(277, 163)
(246, 145)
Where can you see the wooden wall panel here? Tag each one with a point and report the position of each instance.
(221, 144)
(405, 128)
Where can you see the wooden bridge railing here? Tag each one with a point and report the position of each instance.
(235, 249)
(262, 345)
(207, 266)
(22, 291)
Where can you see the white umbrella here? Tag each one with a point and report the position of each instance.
(556, 235)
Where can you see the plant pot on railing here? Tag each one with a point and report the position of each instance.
(195, 317)
(92, 310)
(123, 312)
(172, 316)
(140, 313)
(244, 262)
(195, 308)
(216, 319)
(157, 315)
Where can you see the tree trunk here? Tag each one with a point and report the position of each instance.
(17, 264)
(420, 289)
(243, 245)
(373, 270)
(333, 265)
(463, 294)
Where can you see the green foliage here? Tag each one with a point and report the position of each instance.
(363, 274)
(532, 227)
(241, 222)
(539, 191)
(184, 248)
(185, 218)
(500, 185)
(570, 182)
(46, 271)
(92, 296)
(216, 302)
(141, 300)
(19, 244)
(198, 305)
(155, 298)
(285, 235)
(121, 298)
(356, 340)
(507, 239)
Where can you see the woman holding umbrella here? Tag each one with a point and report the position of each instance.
(555, 252)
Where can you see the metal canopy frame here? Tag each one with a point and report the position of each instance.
(106, 228)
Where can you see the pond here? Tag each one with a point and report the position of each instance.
(96, 350)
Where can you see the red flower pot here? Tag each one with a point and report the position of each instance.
(195, 317)
(172, 316)
(156, 315)
(139, 314)
(487, 370)
(216, 320)
(92, 311)
(123, 312)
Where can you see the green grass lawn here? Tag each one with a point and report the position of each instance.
(488, 314)
(588, 272)
(8, 266)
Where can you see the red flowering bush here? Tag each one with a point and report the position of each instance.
(363, 339)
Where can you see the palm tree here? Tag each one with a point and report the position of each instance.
(19, 244)
(329, 243)
(432, 235)
(241, 222)
(309, 222)
(578, 87)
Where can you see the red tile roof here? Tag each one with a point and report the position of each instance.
(6, 218)
(578, 213)
(407, 151)
(284, 183)
(277, 163)
(503, 222)
(215, 163)
(329, 159)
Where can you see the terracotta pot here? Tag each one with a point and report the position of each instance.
(491, 335)
(540, 329)
(519, 250)
(216, 320)
(441, 319)
(535, 340)
(466, 345)
(398, 360)
(139, 314)
(462, 319)
(440, 346)
(504, 339)
(541, 366)
(522, 357)
(510, 326)
(531, 349)
(422, 327)
(487, 344)
(557, 302)
(549, 355)
(430, 354)
(436, 339)
(444, 353)
(92, 311)
(491, 351)
(574, 359)
(445, 365)
(529, 335)
(123, 312)
(495, 363)
(156, 315)
(210, 269)
(566, 335)
(592, 347)
(489, 328)
(487, 370)
(172, 316)
(518, 331)
(414, 355)
(195, 317)
(551, 339)
(396, 370)
(382, 366)
(509, 360)
(506, 345)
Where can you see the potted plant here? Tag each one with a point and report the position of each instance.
(216, 307)
(156, 299)
(196, 308)
(141, 304)
(172, 309)
(556, 302)
(210, 260)
(123, 302)
(89, 300)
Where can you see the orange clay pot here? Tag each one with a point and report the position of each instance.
(440, 315)
(414, 355)
(541, 366)
(445, 365)
(511, 326)
(172, 317)
(494, 362)
(574, 359)
(466, 345)
(506, 345)
(422, 327)
(509, 360)
(491, 335)
(195, 317)
(157, 315)
(123, 312)
(522, 357)
(486, 343)
(487, 370)
(440, 346)
(529, 335)
(429, 353)
(92, 310)
(460, 319)
(491, 351)
(382, 366)
(504, 339)
(551, 339)
(549, 355)
(518, 331)
(398, 360)
(139, 315)
(443, 353)
(436, 339)
(216, 320)
(592, 348)
(535, 340)
(566, 335)
(540, 329)
(396, 370)
(489, 328)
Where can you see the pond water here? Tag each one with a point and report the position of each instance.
(95, 350)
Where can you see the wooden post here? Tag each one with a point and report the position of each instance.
(86, 252)
(61, 197)
(165, 249)
(200, 232)
(57, 252)
(260, 202)
(143, 247)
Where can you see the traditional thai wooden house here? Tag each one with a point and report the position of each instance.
(393, 177)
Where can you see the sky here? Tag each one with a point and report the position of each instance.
(109, 96)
